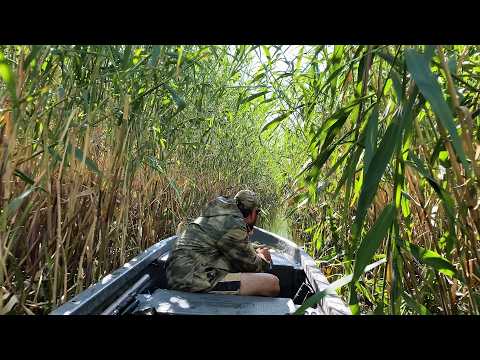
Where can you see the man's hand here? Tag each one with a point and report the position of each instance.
(264, 253)
(249, 230)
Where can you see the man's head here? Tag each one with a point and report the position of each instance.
(249, 206)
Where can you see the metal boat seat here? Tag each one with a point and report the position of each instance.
(164, 301)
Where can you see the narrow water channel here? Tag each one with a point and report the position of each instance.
(280, 225)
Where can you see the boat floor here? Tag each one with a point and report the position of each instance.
(179, 302)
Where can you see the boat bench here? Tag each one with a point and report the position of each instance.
(164, 301)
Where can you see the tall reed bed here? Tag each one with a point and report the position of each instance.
(391, 148)
(105, 149)
(375, 150)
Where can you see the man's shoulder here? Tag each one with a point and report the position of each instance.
(236, 222)
(222, 215)
(227, 222)
(221, 206)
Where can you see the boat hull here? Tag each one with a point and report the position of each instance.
(292, 265)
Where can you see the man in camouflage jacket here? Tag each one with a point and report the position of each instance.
(213, 252)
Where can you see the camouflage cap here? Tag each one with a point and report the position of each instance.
(248, 199)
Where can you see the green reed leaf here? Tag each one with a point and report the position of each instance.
(418, 66)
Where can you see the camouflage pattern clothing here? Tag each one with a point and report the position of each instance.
(214, 244)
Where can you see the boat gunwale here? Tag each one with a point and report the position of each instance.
(331, 304)
(91, 300)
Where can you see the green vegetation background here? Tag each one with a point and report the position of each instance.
(369, 152)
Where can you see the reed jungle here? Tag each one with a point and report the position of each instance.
(358, 152)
